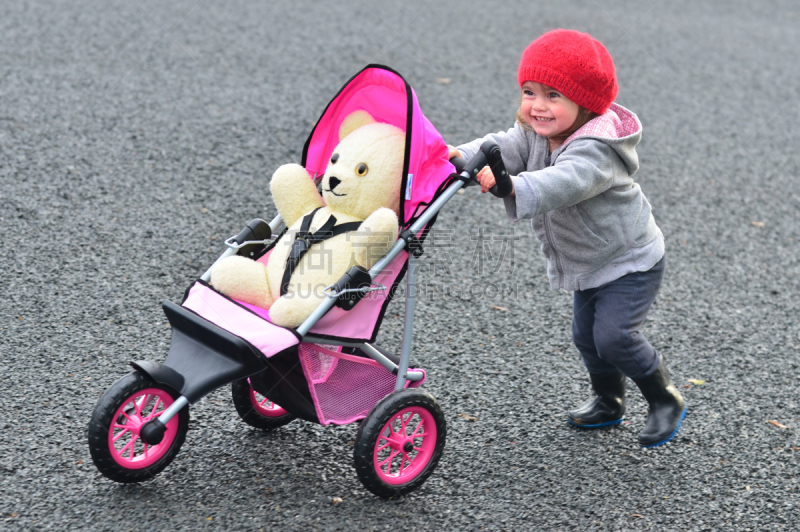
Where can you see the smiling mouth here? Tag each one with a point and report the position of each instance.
(334, 193)
(542, 119)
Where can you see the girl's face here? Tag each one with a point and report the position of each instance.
(546, 110)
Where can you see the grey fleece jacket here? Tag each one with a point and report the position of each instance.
(592, 218)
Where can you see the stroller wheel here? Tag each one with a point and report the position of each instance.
(399, 443)
(116, 446)
(257, 410)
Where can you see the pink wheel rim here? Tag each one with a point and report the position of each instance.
(264, 406)
(405, 445)
(124, 441)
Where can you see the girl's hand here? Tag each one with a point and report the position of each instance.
(452, 152)
(486, 178)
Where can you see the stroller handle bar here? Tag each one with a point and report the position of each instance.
(489, 154)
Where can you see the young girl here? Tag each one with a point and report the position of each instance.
(572, 155)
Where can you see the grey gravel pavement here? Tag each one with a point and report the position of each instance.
(135, 136)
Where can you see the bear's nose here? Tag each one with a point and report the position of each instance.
(333, 182)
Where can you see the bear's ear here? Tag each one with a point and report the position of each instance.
(354, 120)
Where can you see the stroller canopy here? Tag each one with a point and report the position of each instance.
(385, 95)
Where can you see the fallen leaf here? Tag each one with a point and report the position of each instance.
(336, 500)
(498, 308)
(468, 417)
(780, 426)
(443, 81)
(696, 381)
(636, 515)
(757, 224)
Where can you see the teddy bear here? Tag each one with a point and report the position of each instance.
(361, 184)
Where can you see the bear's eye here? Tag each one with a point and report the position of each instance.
(334, 158)
(362, 169)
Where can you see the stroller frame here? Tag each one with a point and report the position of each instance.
(148, 409)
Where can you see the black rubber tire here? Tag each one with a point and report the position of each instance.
(240, 391)
(370, 429)
(101, 421)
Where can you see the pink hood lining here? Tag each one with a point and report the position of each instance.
(616, 123)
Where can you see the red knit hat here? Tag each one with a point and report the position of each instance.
(573, 63)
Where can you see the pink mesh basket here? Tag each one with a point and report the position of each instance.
(344, 387)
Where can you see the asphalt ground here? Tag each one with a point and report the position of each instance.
(136, 136)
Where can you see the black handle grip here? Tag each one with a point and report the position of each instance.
(502, 187)
(475, 164)
(459, 163)
(258, 230)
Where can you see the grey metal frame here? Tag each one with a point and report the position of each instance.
(173, 409)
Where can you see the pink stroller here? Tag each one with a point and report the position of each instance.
(327, 370)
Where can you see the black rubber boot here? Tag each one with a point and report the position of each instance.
(608, 405)
(666, 408)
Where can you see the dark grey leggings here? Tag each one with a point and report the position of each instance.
(607, 320)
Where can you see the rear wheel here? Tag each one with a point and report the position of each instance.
(257, 410)
(115, 443)
(399, 443)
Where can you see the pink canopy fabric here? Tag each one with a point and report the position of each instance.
(385, 95)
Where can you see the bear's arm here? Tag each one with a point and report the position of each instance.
(375, 237)
(294, 193)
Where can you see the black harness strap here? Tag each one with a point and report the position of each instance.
(303, 240)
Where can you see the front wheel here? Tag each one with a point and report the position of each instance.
(116, 446)
(399, 443)
(257, 410)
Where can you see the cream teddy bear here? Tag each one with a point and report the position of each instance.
(361, 184)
